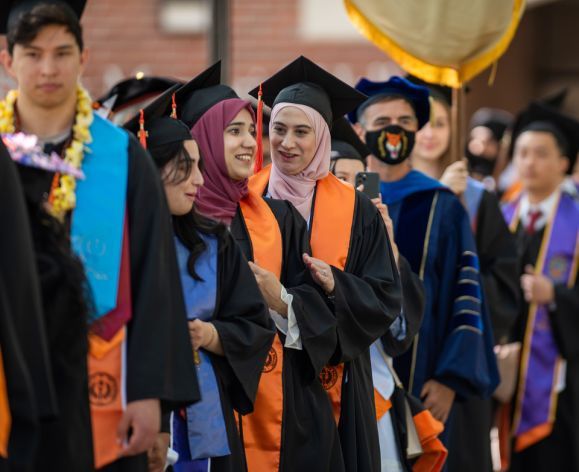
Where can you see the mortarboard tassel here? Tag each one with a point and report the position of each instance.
(173, 107)
(142, 132)
(259, 131)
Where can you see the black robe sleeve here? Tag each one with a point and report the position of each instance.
(22, 286)
(368, 292)
(19, 388)
(413, 302)
(497, 251)
(311, 306)
(159, 360)
(244, 326)
(565, 320)
(314, 316)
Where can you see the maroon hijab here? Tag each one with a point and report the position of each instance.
(219, 196)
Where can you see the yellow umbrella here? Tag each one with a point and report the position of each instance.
(446, 42)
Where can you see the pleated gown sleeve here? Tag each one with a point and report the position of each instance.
(311, 306)
(244, 326)
(368, 292)
(499, 263)
(22, 286)
(413, 303)
(159, 360)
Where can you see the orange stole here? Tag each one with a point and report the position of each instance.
(330, 241)
(332, 222)
(5, 417)
(262, 429)
(434, 453)
(106, 392)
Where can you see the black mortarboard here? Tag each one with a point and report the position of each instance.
(498, 121)
(11, 13)
(556, 100)
(304, 83)
(184, 95)
(200, 94)
(161, 106)
(135, 90)
(165, 130)
(417, 96)
(159, 126)
(538, 117)
(346, 144)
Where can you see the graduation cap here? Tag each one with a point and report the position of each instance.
(304, 83)
(557, 99)
(541, 118)
(141, 124)
(200, 94)
(10, 14)
(133, 93)
(346, 144)
(166, 130)
(186, 102)
(417, 96)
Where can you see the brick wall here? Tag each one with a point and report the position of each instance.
(123, 37)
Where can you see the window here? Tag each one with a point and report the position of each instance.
(185, 16)
(326, 20)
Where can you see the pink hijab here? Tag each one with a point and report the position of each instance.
(219, 196)
(299, 189)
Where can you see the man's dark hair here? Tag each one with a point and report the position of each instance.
(546, 127)
(27, 27)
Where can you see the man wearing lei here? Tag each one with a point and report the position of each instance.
(119, 227)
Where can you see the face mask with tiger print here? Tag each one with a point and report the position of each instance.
(392, 144)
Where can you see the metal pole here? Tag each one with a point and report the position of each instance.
(457, 124)
(219, 47)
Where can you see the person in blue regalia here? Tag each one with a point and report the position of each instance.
(452, 356)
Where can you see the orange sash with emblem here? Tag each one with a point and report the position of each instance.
(106, 369)
(5, 417)
(331, 223)
(262, 429)
(106, 393)
(330, 241)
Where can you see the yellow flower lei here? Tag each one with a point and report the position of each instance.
(62, 196)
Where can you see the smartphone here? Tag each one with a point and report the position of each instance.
(370, 182)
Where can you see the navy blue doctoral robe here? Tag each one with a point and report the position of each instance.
(455, 342)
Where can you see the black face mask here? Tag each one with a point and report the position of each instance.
(392, 144)
(479, 164)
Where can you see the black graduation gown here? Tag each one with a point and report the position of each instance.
(560, 450)
(309, 434)
(158, 361)
(29, 378)
(469, 445)
(412, 308)
(21, 399)
(65, 443)
(246, 331)
(367, 301)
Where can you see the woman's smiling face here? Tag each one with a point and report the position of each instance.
(292, 141)
(239, 146)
